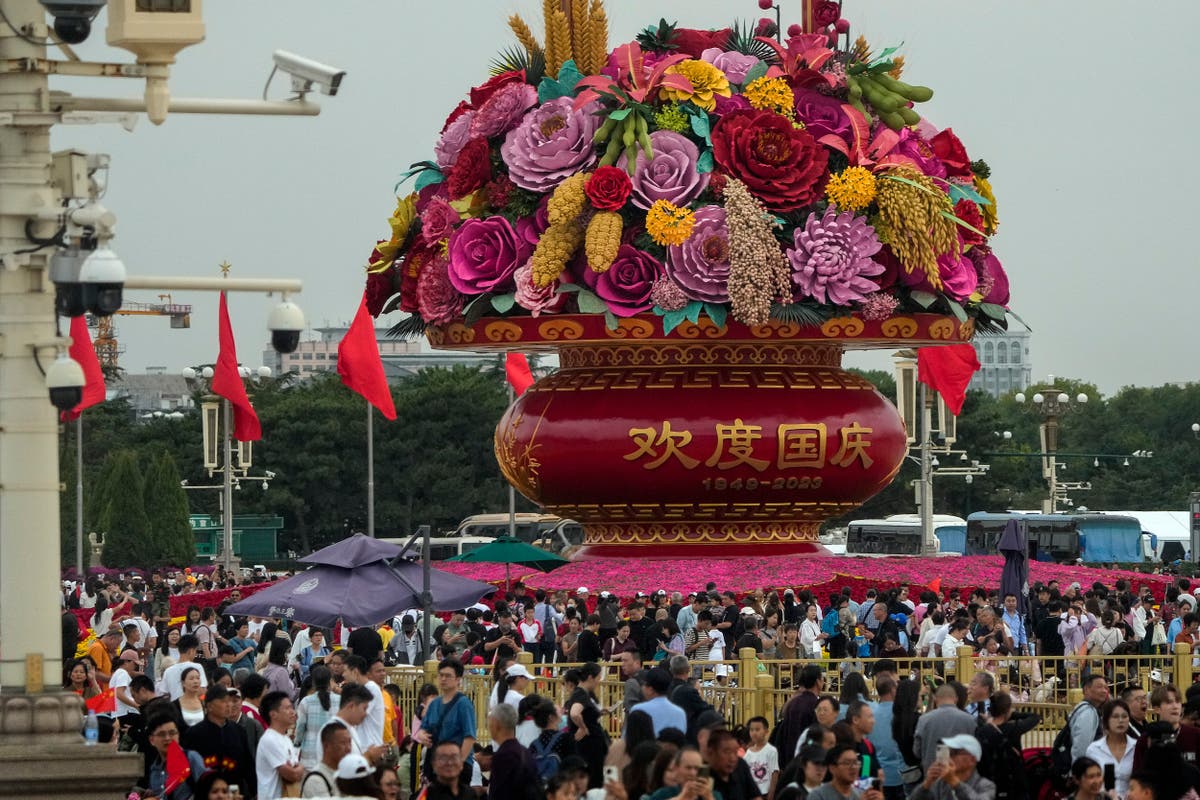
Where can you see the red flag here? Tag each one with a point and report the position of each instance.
(227, 382)
(516, 367)
(360, 366)
(178, 768)
(935, 585)
(948, 370)
(85, 355)
(103, 703)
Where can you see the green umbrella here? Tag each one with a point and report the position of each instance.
(508, 550)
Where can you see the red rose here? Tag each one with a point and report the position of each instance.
(692, 43)
(781, 165)
(608, 188)
(480, 94)
(968, 212)
(380, 287)
(950, 151)
(825, 13)
(472, 169)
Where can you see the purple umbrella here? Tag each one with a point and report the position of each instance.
(354, 552)
(365, 595)
(1014, 577)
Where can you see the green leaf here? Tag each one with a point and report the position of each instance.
(705, 163)
(1017, 317)
(956, 309)
(963, 223)
(900, 179)
(611, 320)
(717, 313)
(478, 307)
(568, 287)
(620, 114)
(692, 310)
(923, 299)
(759, 70)
(391, 305)
(701, 127)
(504, 302)
(428, 178)
(879, 59)
(672, 320)
(590, 303)
(568, 77)
(992, 310)
(960, 192)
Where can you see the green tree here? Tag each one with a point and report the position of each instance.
(167, 511)
(122, 513)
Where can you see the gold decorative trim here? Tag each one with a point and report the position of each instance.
(943, 329)
(843, 326)
(632, 328)
(900, 327)
(704, 328)
(557, 330)
(637, 534)
(717, 376)
(692, 514)
(502, 331)
(966, 330)
(788, 354)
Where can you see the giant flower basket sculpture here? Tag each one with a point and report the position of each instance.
(699, 223)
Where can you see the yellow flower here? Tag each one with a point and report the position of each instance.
(707, 82)
(669, 224)
(400, 221)
(771, 94)
(990, 219)
(852, 189)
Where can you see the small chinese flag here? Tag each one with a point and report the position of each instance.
(85, 355)
(516, 367)
(227, 382)
(935, 585)
(177, 765)
(103, 703)
(948, 370)
(360, 366)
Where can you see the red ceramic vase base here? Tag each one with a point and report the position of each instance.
(716, 550)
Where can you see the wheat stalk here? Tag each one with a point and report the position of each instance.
(597, 39)
(523, 33)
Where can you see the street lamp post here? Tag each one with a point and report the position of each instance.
(1051, 404)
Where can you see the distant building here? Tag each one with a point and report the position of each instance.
(156, 390)
(1005, 364)
(401, 358)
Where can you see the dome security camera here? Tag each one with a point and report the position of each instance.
(73, 18)
(65, 381)
(103, 279)
(285, 323)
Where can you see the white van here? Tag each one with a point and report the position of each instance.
(443, 547)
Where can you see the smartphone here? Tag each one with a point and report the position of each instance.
(1110, 777)
(877, 784)
(943, 754)
(612, 774)
(704, 772)
(234, 789)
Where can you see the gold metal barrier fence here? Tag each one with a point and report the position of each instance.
(1046, 686)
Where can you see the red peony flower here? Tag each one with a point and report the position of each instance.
(472, 169)
(415, 261)
(480, 94)
(608, 188)
(460, 109)
(781, 165)
(380, 287)
(951, 152)
(691, 42)
(968, 212)
(825, 13)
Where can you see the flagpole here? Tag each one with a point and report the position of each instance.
(512, 493)
(370, 472)
(79, 496)
(227, 489)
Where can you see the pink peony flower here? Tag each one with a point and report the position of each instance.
(503, 110)
(626, 286)
(537, 299)
(821, 114)
(701, 264)
(438, 220)
(831, 260)
(437, 300)
(913, 145)
(453, 140)
(671, 175)
(551, 143)
(484, 254)
(735, 65)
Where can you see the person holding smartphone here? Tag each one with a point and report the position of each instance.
(1114, 750)
(952, 775)
(845, 767)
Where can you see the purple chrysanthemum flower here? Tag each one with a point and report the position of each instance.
(831, 261)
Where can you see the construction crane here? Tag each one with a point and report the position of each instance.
(108, 351)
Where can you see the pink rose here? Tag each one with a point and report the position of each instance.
(537, 299)
(438, 220)
(735, 65)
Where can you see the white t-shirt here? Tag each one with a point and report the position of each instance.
(763, 764)
(717, 652)
(256, 626)
(171, 679)
(950, 647)
(148, 638)
(355, 746)
(274, 750)
(370, 732)
(120, 680)
(511, 698)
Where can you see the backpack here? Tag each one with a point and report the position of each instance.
(1060, 751)
(548, 628)
(544, 758)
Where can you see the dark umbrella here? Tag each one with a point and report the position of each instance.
(354, 552)
(365, 595)
(507, 550)
(1014, 578)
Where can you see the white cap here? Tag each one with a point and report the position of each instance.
(353, 766)
(605, 594)
(517, 671)
(747, 611)
(661, 593)
(965, 742)
(581, 590)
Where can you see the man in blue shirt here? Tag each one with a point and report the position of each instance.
(1015, 623)
(887, 751)
(451, 715)
(663, 713)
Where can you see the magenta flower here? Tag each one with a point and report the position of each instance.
(453, 140)
(626, 286)
(484, 254)
(503, 110)
(437, 300)
(831, 260)
(993, 280)
(438, 220)
(701, 264)
(671, 175)
(735, 65)
(821, 114)
(537, 299)
(551, 143)
(957, 273)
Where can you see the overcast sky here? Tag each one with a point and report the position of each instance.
(1085, 110)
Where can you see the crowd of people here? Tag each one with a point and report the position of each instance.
(262, 709)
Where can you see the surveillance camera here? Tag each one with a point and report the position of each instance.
(270, 474)
(73, 18)
(65, 381)
(286, 322)
(64, 272)
(103, 279)
(305, 72)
